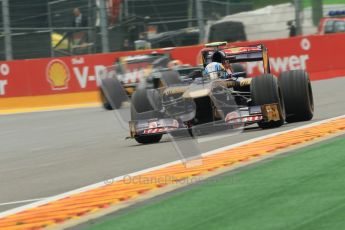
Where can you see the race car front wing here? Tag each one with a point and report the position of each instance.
(244, 116)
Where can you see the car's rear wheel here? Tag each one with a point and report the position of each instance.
(265, 90)
(298, 95)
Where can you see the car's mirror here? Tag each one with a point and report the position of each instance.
(239, 74)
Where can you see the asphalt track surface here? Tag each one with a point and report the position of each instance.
(48, 153)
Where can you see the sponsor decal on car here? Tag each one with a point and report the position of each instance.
(245, 82)
(160, 126)
(234, 118)
(271, 112)
(157, 130)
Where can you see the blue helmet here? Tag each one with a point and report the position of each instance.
(215, 70)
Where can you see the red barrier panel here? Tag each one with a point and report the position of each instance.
(320, 55)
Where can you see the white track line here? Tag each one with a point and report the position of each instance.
(22, 201)
(103, 183)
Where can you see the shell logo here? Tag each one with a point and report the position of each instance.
(58, 74)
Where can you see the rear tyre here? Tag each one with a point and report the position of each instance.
(265, 90)
(298, 95)
(113, 93)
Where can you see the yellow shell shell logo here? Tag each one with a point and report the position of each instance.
(58, 74)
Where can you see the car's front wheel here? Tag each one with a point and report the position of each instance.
(142, 109)
(149, 139)
(265, 90)
(112, 93)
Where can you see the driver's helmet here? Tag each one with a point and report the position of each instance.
(215, 70)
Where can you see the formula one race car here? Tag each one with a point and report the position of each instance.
(219, 98)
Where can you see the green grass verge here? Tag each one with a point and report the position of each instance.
(301, 190)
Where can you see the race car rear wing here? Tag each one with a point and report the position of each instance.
(220, 53)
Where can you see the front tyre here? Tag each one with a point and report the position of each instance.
(112, 93)
(265, 90)
(142, 109)
(150, 139)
